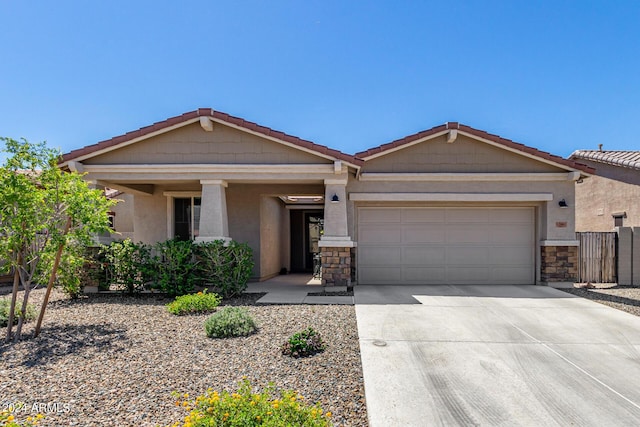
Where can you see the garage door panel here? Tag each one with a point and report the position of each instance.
(382, 255)
(467, 255)
(424, 275)
(421, 255)
(427, 234)
(468, 274)
(508, 233)
(468, 215)
(520, 216)
(379, 215)
(381, 234)
(468, 234)
(423, 215)
(446, 245)
(510, 255)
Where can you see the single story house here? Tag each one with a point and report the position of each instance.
(610, 198)
(448, 205)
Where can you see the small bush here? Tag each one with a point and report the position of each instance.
(175, 266)
(129, 265)
(304, 343)
(5, 306)
(230, 322)
(244, 408)
(201, 302)
(225, 266)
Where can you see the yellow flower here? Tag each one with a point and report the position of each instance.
(10, 418)
(199, 293)
(186, 395)
(328, 414)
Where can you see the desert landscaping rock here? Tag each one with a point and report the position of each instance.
(114, 360)
(625, 298)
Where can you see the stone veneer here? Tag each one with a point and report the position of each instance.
(336, 266)
(559, 264)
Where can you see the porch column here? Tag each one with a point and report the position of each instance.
(214, 223)
(335, 243)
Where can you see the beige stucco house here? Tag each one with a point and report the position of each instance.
(449, 205)
(610, 198)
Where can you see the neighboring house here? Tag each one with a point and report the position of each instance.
(610, 198)
(449, 205)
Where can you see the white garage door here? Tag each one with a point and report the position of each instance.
(446, 246)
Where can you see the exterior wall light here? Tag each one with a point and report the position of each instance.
(335, 199)
(563, 204)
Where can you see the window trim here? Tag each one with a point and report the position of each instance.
(171, 196)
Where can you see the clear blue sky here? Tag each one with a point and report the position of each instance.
(556, 75)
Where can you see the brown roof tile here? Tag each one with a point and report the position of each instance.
(625, 159)
(481, 134)
(209, 112)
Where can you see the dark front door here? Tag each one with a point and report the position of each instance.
(306, 231)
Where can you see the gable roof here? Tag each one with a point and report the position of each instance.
(625, 159)
(192, 117)
(495, 139)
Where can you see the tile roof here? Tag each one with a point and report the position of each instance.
(209, 112)
(478, 133)
(625, 159)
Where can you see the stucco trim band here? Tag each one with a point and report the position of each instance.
(451, 197)
(466, 177)
(560, 243)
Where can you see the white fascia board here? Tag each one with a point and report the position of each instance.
(465, 177)
(133, 141)
(213, 168)
(451, 197)
(560, 243)
(280, 141)
(407, 145)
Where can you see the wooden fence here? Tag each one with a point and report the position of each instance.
(597, 257)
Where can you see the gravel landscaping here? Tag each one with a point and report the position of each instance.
(114, 360)
(625, 298)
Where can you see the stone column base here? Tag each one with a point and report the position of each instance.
(336, 266)
(558, 264)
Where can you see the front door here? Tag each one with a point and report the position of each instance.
(306, 230)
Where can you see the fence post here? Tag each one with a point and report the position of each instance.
(625, 255)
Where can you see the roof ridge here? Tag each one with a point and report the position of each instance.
(480, 134)
(210, 112)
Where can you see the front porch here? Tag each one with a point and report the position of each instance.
(295, 289)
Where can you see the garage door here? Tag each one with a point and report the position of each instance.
(446, 246)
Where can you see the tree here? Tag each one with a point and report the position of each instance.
(43, 210)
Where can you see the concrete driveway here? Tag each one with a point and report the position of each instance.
(496, 355)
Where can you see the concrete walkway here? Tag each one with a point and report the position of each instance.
(294, 289)
(496, 355)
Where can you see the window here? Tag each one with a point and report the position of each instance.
(618, 219)
(186, 217)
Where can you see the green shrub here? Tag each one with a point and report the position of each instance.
(226, 267)
(201, 302)
(128, 265)
(244, 408)
(304, 343)
(230, 322)
(5, 306)
(175, 267)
